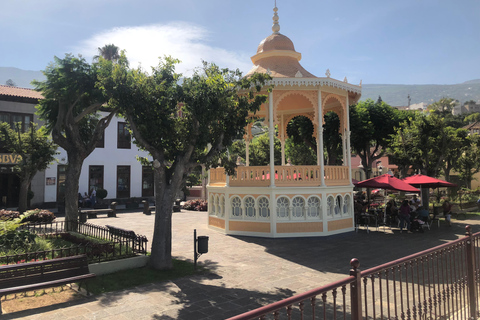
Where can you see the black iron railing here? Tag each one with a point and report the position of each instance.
(106, 245)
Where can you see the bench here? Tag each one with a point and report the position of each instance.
(37, 275)
(147, 209)
(92, 213)
(121, 233)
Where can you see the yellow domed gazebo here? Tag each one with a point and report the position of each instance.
(297, 200)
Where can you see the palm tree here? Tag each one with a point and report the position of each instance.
(108, 52)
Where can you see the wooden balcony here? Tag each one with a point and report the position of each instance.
(285, 176)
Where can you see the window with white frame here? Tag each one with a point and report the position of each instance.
(313, 207)
(338, 205)
(212, 206)
(263, 208)
(298, 206)
(222, 206)
(249, 208)
(283, 208)
(346, 205)
(330, 206)
(236, 207)
(217, 205)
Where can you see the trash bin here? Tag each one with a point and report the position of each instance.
(83, 217)
(202, 244)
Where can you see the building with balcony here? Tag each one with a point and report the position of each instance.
(289, 200)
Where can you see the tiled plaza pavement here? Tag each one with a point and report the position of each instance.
(246, 272)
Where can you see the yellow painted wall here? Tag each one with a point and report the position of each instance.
(216, 222)
(340, 224)
(292, 227)
(249, 226)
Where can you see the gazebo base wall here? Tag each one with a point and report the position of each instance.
(293, 212)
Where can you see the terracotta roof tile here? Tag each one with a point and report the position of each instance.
(19, 92)
(471, 126)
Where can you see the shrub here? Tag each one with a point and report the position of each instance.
(38, 215)
(101, 193)
(14, 239)
(98, 247)
(6, 215)
(197, 205)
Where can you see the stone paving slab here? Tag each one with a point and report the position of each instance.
(246, 272)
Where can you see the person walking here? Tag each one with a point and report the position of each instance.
(447, 212)
(93, 197)
(404, 215)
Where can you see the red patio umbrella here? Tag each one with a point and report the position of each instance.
(420, 180)
(388, 182)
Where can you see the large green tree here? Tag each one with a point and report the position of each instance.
(468, 163)
(443, 106)
(182, 122)
(75, 114)
(260, 151)
(302, 145)
(422, 143)
(371, 124)
(37, 152)
(457, 141)
(332, 139)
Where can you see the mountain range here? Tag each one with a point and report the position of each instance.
(393, 94)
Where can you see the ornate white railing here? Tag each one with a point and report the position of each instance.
(259, 176)
(218, 176)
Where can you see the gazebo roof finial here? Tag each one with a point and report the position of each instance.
(276, 26)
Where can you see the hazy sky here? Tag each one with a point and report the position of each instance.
(397, 42)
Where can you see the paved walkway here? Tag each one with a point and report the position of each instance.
(246, 272)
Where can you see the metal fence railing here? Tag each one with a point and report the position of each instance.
(438, 283)
(108, 245)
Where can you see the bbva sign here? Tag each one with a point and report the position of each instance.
(10, 158)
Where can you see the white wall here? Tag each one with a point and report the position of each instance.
(110, 157)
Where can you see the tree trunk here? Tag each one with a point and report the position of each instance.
(23, 194)
(161, 257)
(425, 198)
(73, 171)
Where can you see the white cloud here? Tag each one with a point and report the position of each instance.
(181, 40)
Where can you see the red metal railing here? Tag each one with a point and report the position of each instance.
(439, 283)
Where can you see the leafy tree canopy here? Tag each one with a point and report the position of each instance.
(443, 106)
(182, 122)
(422, 143)
(36, 150)
(371, 125)
(71, 109)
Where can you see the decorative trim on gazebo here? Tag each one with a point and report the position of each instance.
(323, 82)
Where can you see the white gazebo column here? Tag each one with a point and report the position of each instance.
(324, 211)
(320, 139)
(271, 134)
(347, 135)
(282, 141)
(344, 147)
(247, 152)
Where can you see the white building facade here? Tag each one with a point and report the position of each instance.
(112, 166)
